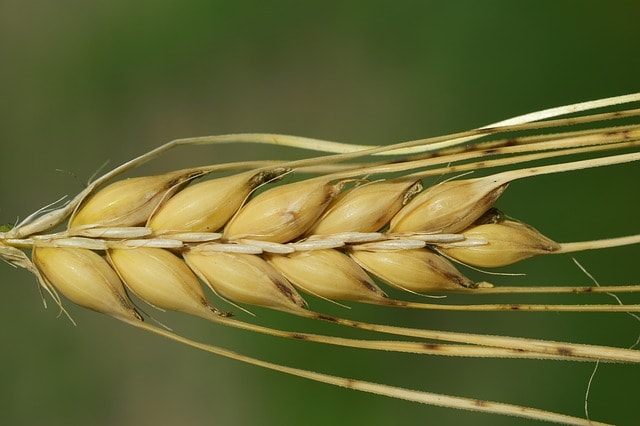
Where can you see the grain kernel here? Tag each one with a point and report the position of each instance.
(245, 278)
(328, 273)
(86, 279)
(508, 241)
(284, 213)
(128, 202)
(418, 270)
(161, 279)
(207, 206)
(366, 208)
(448, 207)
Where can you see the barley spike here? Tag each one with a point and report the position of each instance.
(362, 224)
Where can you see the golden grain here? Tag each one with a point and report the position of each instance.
(245, 278)
(207, 206)
(448, 207)
(84, 278)
(366, 208)
(129, 202)
(161, 278)
(506, 242)
(417, 270)
(281, 214)
(327, 273)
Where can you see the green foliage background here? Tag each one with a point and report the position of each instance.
(83, 82)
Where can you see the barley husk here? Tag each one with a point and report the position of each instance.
(366, 208)
(85, 278)
(161, 279)
(507, 242)
(448, 207)
(283, 213)
(245, 278)
(128, 202)
(417, 270)
(207, 206)
(328, 273)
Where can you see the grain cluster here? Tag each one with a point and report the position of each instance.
(315, 236)
(277, 234)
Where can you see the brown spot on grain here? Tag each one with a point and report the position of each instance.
(284, 289)
(372, 287)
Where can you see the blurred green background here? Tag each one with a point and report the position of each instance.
(84, 82)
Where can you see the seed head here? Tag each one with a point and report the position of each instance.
(448, 207)
(507, 241)
(328, 273)
(245, 278)
(366, 208)
(283, 213)
(128, 202)
(161, 279)
(86, 279)
(207, 206)
(418, 270)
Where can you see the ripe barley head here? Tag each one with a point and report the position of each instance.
(161, 238)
